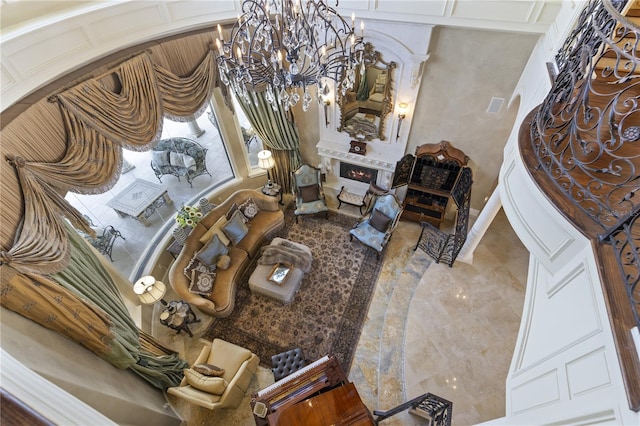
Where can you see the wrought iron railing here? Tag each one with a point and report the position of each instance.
(582, 146)
(586, 134)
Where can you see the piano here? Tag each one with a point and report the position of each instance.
(319, 393)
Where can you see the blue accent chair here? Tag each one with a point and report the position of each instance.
(375, 227)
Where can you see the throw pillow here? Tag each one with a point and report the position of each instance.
(236, 229)
(214, 385)
(160, 158)
(223, 262)
(211, 251)
(202, 282)
(209, 370)
(175, 159)
(249, 209)
(194, 264)
(216, 228)
(379, 221)
(189, 162)
(309, 193)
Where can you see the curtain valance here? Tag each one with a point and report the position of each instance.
(99, 123)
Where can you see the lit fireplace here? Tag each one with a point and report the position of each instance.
(359, 173)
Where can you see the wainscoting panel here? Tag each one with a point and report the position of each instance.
(128, 22)
(588, 372)
(539, 391)
(541, 230)
(43, 49)
(518, 11)
(179, 11)
(554, 322)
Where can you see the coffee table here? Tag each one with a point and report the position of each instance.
(259, 280)
(139, 200)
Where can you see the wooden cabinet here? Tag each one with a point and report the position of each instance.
(436, 168)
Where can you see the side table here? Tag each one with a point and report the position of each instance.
(177, 315)
(274, 190)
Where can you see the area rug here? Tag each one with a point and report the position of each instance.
(329, 310)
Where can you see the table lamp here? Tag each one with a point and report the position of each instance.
(266, 162)
(150, 290)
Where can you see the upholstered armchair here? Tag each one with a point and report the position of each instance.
(225, 389)
(375, 227)
(308, 192)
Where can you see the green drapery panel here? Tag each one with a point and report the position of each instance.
(86, 277)
(277, 132)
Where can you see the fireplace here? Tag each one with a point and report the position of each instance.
(358, 173)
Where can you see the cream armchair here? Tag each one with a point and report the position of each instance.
(239, 366)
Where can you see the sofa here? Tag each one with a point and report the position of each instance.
(267, 221)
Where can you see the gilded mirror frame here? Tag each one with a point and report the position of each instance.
(364, 109)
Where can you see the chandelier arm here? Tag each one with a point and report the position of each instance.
(312, 37)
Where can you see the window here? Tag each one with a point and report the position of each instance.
(252, 141)
(137, 165)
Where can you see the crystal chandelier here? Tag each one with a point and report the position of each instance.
(287, 46)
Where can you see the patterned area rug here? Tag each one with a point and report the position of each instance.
(328, 312)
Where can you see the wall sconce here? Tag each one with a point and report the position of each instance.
(402, 108)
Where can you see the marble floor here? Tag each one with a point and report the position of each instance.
(429, 328)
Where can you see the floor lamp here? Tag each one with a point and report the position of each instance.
(266, 162)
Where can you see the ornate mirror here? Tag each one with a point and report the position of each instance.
(365, 107)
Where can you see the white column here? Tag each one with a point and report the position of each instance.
(479, 227)
(196, 130)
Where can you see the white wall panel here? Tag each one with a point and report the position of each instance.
(431, 8)
(544, 236)
(43, 49)
(588, 372)
(126, 23)
(560, 320)
(192, 9)
(512, 11)
(537, 392)
(6, 80)
(346, 7)
(548, 12)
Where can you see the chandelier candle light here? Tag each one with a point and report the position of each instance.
(286, 46)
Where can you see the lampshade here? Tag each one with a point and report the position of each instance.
(149, 290)
(265, 160)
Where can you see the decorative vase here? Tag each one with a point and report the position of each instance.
(205, 206)
(180, 234)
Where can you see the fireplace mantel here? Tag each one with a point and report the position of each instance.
(380, 156)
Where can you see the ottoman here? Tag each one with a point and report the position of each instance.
(260, 284)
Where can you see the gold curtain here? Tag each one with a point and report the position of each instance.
(100, 120)
(47, 303)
